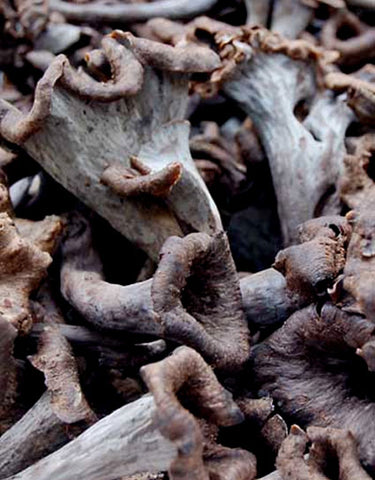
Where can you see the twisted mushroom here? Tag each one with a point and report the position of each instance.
(359, 47)
(325, 442)
(188, 300)
(91, 125)
(269, 76)
(186, 371)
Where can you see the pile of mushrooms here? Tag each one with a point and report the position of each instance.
(187, 240)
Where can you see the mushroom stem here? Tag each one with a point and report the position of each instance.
(305, 156)
(140, 12)
(121, 444)
(35, 435)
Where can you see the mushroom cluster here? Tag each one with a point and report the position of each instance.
(187, 239)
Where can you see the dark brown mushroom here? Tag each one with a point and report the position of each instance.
(314, 265)
(310, 367)
(196, 295)
(326, 443)
(194, 299)
(360, 44)
(185, 371)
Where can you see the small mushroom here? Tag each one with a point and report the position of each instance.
(360, 45)
(186, 371)
(196, 296)
(326, 443)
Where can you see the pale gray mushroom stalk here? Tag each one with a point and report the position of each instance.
(287, 17)
(155, 433)
(121, 444)
(257, 11)
(78, 127)
(305, 157)
(34, 436)
(129, 13)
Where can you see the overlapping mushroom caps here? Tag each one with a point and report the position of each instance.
(309, 366)
(329, 446)
(113, 134)
(194, 297)
(198, 457)
(271, 78)
(26, 249)
(319, 365)
(97, 127)
(278, 84)
(287, 17)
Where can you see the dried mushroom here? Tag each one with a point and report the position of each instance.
(63, 127)
(309, 367)
(269, 76)
(187, 239)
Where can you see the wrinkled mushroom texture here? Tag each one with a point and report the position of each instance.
(268, 77)
(265, 299)
(55, 359)
(358, 192)
(185, 374)
(196, 296)
(360, 90)
(300, 274)
(313, 266)
(360, 267)
(331, 226)
(8, 371)
(329, 446)
(357, 185)
(22, 267)
(78, 127)
(310, 368)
